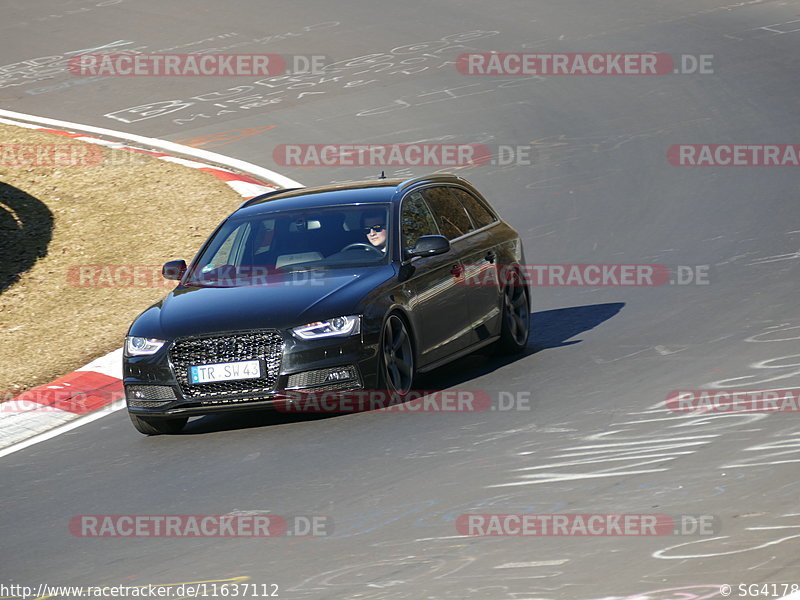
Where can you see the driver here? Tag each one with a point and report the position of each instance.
(375, 229)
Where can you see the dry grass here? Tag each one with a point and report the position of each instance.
(130, 209)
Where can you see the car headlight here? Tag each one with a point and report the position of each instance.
(337, 327)
(139, 346)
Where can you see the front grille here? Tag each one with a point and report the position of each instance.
(265, 345)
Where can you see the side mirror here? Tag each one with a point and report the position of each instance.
(429, 245)
(174, 269)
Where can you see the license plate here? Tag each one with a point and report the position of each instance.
(232, 371)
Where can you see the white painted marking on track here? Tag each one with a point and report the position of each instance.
(117, 44)
(188, 163)
(245, 188)
(79, 422)
(446, 537)
(99, 142)
(776, 258)
(533, 563)
(560, 477)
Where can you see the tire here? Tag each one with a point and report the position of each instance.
(515, 316)
(157, 426)
(396, 369)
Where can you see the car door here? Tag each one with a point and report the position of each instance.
(481, 266)
(474, 247)
(433, 288)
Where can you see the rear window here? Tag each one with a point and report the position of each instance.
(480, 215)
(450, 215)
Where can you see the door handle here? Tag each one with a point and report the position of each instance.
(490, 256)
(457, 271)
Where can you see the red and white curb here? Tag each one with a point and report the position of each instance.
(93, 387)
(243, 185)
(96, 389)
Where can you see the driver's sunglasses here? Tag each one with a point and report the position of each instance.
(375, 228)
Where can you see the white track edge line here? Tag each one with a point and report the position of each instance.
(56, 431)
(234, 163)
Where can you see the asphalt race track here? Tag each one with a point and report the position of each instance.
(598, 189)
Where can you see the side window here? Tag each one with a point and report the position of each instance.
(417, 220)
(479, 213)
(224, 254)
(450, 215)
(263, 236)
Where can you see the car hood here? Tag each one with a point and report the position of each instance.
(299, 299)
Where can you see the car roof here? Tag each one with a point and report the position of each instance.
(357, 192)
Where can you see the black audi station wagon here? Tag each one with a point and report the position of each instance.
(339, 288)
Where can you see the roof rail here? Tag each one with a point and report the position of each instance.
(434, 176)
(265, 196)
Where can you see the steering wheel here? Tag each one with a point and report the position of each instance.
(360, 245)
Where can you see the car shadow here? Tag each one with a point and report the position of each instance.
(26, 228)
(548, 329)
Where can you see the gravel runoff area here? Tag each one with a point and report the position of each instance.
(83, 232)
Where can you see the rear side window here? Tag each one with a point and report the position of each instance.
(449, 213)
(417, 220)
(479, 213)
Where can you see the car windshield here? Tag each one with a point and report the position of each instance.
(261, 248)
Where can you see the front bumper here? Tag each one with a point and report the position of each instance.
(158, 385)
